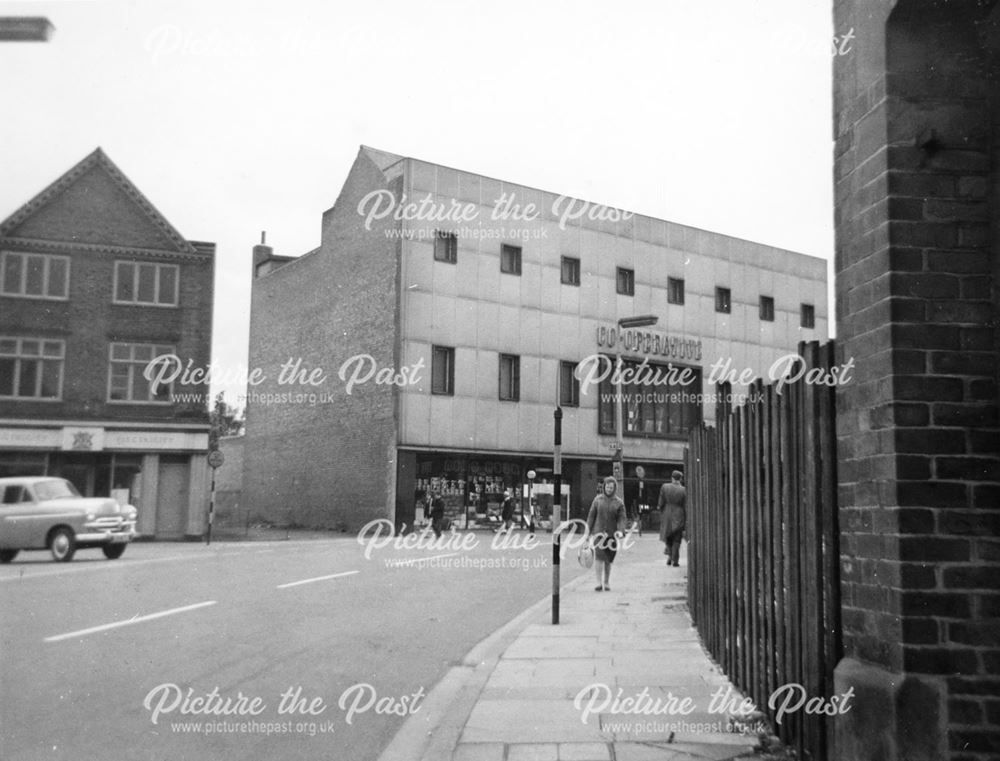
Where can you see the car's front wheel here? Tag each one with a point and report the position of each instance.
(113, 551)
(62, 544)
(7, 555)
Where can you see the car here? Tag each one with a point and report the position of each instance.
(42, 512)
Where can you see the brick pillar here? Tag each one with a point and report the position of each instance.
(917, 217)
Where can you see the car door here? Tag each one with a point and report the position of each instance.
(18, 518)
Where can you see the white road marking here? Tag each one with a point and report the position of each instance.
(318, 578)
(134, 620)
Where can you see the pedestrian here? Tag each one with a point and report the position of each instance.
(506, 511)
(606, 525)
(673, 517)
(437, 514)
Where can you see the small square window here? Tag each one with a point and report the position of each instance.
(808, 316)
(767, 308)
(445, 247)
(626, 281)
(443, 370)
(569, 386)
(570, 271)
(723, 300)
(675, 290)
(510, 378)
(510, 259)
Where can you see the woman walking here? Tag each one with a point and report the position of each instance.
(606, 524)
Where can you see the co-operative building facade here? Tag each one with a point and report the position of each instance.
(428, 340)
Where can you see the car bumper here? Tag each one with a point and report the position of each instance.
(119, 534)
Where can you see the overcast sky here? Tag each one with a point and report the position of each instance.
(234, 118)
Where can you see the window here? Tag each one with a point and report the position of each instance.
(38, 276)
(443, 370)
(146, 283)
(570, 271)
(31, 368)
(12, 495)
(808, 316)
(655, 406)
(510, 377)
(445, 247)
(675, 290)
(767, 308)
(626, 281)
(723, 300)
(127, 382)
(569, 386)
(510, 259)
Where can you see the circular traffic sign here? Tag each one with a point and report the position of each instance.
(216, 458)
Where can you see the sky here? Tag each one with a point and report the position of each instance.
(233, 118)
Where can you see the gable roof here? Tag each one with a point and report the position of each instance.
(98, 160)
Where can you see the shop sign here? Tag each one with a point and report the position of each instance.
(82, 439)
(47, 438)
(648, 342)
(155, 441)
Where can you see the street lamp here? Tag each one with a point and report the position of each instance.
(642, 321)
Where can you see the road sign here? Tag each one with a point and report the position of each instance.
(216, 458)
(640, 472)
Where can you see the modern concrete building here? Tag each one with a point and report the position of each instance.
(461, 306)
(94, 283)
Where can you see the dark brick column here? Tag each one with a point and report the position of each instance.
(918, 228)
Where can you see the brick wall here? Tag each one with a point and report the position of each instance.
(917, 210)
(332, 464)
(87, 222)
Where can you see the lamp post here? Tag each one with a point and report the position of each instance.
(624, 323)
(531, 478)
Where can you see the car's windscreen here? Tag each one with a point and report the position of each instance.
(55, 489)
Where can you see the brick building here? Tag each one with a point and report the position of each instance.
(917, 106)
(482, 310)
(94, 283)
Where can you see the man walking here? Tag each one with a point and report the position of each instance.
(673, 517)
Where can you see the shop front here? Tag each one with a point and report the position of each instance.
(472, 486)
(162, 472)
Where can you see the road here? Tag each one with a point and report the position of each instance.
(310, 646)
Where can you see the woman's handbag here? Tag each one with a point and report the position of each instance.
(586, 556)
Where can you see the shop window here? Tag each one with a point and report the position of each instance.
(146, 284)
(36, 276)
(445, 247)
(31, 368)
(767, 308)
(569, 386)
(23, 464)
(654, 405)
(808, 316)
(626, 281)
(675, 290)
(570, 271)
(127, 381)
(443, 370)
(510, 378)
(723, 300)
(510, 259)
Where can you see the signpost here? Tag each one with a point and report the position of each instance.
(556, 509)
(215, 460)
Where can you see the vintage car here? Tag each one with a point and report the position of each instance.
(41, 512)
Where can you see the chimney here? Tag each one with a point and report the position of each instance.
(262, 253)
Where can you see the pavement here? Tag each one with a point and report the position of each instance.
(605, 684)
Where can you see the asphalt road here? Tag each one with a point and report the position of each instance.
(107, 659)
